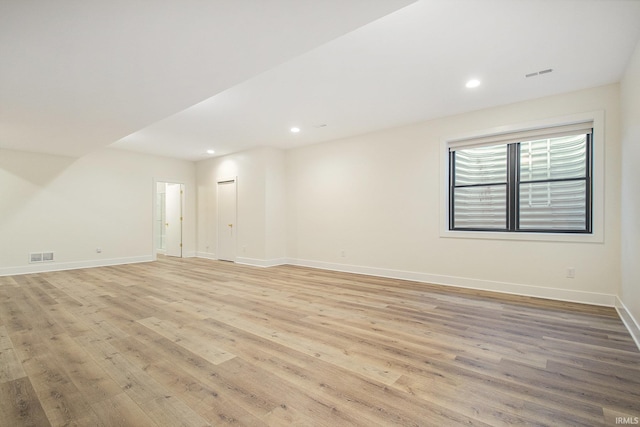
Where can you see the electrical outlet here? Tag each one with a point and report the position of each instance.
(343, 253)
(571, 272)
(98, 250)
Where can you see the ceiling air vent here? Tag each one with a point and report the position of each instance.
(539, 73)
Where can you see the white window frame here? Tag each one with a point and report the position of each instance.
(598, 159)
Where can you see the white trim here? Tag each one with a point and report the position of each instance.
(598, 118)
(549, 122)
(525, 236)
(154, 200)
(527, 134)
(227, 180)
(262, 262)
(75, 265)
(206, 255)
(592, 298)
(633, 326)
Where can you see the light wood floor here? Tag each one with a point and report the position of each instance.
(192, 342)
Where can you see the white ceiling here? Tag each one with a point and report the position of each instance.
(77, 75)
(179, 78)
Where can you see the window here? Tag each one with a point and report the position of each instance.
(533, 181)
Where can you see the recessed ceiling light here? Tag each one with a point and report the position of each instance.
(211, 152)
(472, 83)
(295, 130)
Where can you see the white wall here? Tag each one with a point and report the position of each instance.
(630, 97)
(374, 199)
(377, 198)
(260, 204)
(275, 206)
(74, 206)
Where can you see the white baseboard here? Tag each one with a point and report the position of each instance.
(207, 255)
(262, 262)
(464, 282)
(510, 288)
(59, 266)
(608, 300)
(633, 326)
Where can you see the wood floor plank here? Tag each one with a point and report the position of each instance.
(170, 411)
(71, 324)
(120, 410)
(203, 397)
(178, 369)
(19, 405)
(197, 342)
(61, 400)
(303, 372)
(88, 377)
(10, 366)
(14, 313)
(134, 381)
(188, 340)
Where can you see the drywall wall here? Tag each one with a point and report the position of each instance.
(275, 206)
(260, 204)
(74, 206)
(372, 204)
(630, 223)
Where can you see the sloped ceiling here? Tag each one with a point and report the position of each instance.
(79, 75)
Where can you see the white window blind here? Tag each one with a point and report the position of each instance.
(480, 182)
(534, 180)
(553, 183)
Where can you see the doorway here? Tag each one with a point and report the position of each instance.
(169, 218)
(227, 229)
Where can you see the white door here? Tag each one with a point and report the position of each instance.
(174, 219)
(227, 229)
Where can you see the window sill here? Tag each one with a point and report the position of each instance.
(527, 237)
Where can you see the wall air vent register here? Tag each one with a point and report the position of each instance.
(36, 257)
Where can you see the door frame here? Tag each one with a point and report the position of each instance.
(222, 180)
(154, 216)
